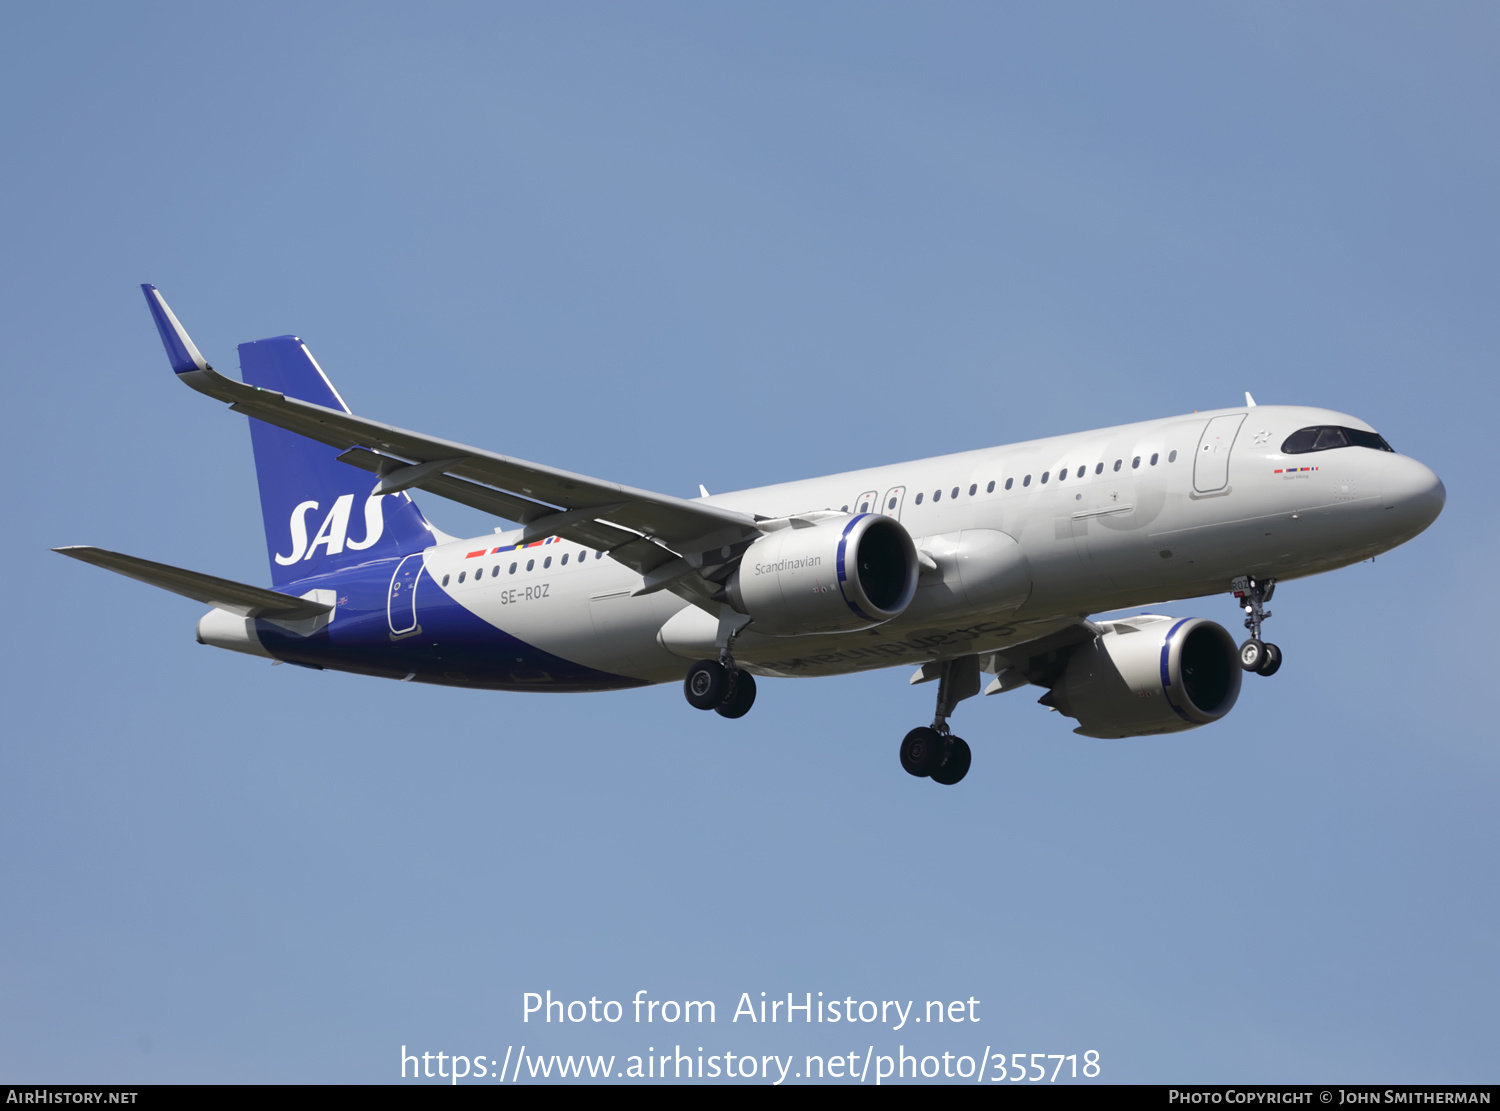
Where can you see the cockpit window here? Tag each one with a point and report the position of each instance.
(1326, 436)
(1368, 439)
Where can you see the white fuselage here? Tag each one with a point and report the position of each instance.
(1083, 523)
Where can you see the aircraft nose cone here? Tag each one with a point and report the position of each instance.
(1415, 496)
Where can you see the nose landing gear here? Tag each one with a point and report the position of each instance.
(1255, 654)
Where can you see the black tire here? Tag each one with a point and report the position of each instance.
(738, 704)
(1252, 655)
(922, 751)
(1272, 663)
(706, 684)
(957, 765)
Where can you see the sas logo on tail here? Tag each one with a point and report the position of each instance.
(333, 535)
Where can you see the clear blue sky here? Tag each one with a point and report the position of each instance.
(673, 244)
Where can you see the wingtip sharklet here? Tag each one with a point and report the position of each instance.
(181, 353)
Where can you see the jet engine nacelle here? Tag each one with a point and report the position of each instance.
(835, 575)
(1150, 674)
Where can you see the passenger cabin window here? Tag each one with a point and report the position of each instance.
(495, 571)
(1172, 456)
(564, 560)
(1026, 481)
(1081, 471)
(955, 492)
(445, 580)
(974, 489)
(1045, 476)
(1136, 462)
(479, 572)
(530, 563)
(1154, 457)
(891, 504)
(512, 568)
(1117, 463)
(990, 489)
(937, 495)
(461, 575)
(1325, 437)
(1009, 482)
(547, 562)
(919, 499)
(1099, 469)
(1061, 475)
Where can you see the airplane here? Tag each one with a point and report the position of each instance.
(981, 563)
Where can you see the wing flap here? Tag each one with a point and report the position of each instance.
(224, 594)
(484, 498)
(590, 533)
(639, 528)
(674, 520)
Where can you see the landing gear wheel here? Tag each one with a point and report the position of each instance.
(706, 684)
(738, 704)
(922, 751)
(956, 766)
(1252, 655)
(1252, 594)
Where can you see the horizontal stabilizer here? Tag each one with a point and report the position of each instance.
(238, 598)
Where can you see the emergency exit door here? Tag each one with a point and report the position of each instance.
(890, 505)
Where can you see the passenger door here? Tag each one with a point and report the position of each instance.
(891, 504)
(401, 602)
(1211, 467)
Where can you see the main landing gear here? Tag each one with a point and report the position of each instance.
(720, 686)
(941, 756)
(933, 751)
(1255, 654)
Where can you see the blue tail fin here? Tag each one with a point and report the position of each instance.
(318, 512)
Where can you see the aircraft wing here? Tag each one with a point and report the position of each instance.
(642, 529)
(225, 594)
